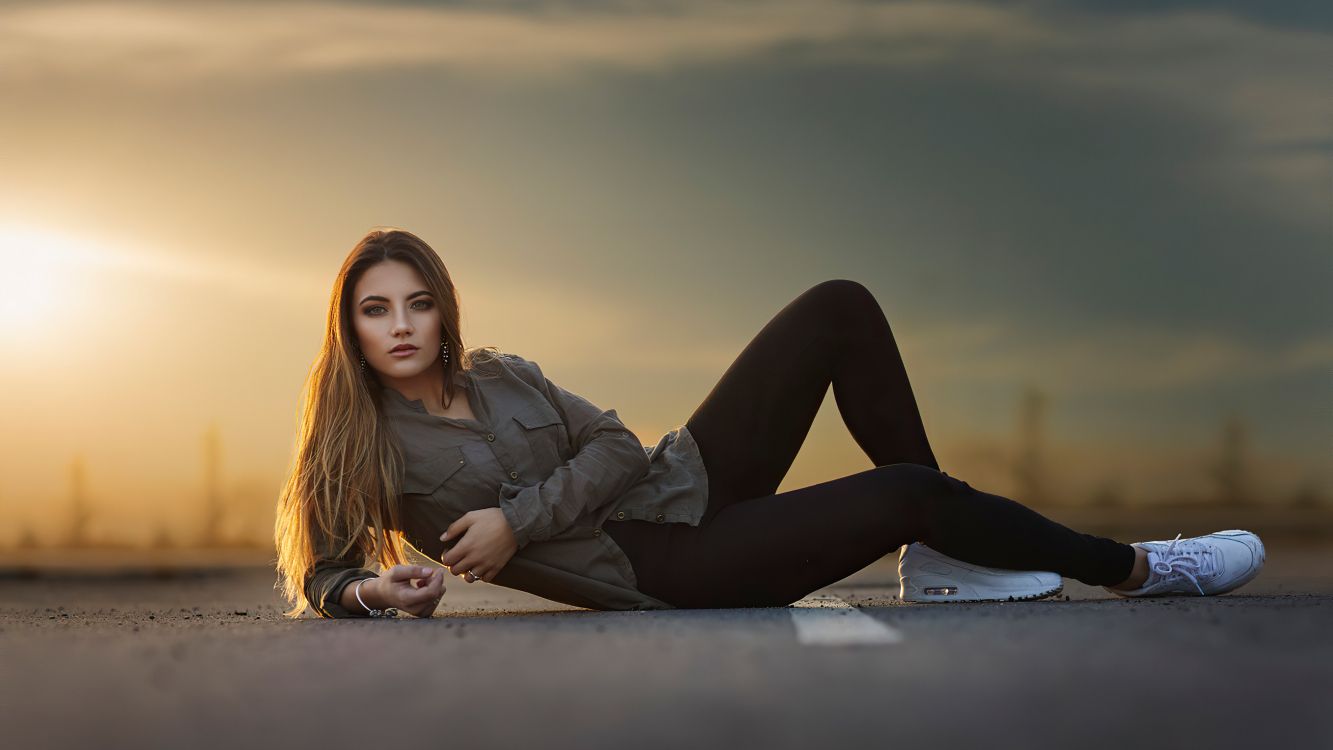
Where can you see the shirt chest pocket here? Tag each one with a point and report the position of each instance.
(546, 436)
(431, 476)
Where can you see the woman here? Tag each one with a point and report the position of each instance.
(483, 463)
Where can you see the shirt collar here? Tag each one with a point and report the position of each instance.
(395, 400)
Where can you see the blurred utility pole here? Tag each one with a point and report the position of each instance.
(1231, 471)
(162, 538)
(80, 512)
(1109, 494)
(213, 508)
(1029, 473)
(1309, 494)
(27, 537)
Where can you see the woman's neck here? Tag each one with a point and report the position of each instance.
(426, 387)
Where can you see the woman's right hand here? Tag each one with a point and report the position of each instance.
(413, 589)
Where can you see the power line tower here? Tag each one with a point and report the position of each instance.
(27, 537)
(1231, 471)
(213, 508)
(1029, 471)
(1109, 494)
(80, 512)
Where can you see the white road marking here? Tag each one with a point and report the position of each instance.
(826, 620)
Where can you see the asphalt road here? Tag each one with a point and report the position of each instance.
(207, 660)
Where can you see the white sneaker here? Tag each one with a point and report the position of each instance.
(1199, 566)
(928, 575)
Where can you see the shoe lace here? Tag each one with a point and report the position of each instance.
(1186, 558)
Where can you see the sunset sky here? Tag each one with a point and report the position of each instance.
(1126, 205)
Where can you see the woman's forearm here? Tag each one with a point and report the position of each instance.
(369, 594)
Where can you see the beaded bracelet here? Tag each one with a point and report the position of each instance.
(389, 612)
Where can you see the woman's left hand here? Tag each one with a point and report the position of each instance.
(484, 549)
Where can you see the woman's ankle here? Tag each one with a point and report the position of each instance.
(1138, 575)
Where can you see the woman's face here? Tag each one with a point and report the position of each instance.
(391, 307)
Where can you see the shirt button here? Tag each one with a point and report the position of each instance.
(596, 532)
(513, 475)
(660, 518)
(621, 514)
(490, 437)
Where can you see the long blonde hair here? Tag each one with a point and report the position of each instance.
(342, 488)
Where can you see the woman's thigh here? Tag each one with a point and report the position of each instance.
(773, 550)
(753, 422)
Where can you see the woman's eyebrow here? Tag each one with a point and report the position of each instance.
(377, 298)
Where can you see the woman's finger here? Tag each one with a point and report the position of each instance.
(404, 573)
(437, 593)
(425, 608)
(437, 583)
(456, 553)
(427, 579)
(461, 567)
(410, 601)
(415, 597)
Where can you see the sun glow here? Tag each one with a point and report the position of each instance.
(41, 278)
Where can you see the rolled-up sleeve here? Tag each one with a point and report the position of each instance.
(326, 581)
(608, 459)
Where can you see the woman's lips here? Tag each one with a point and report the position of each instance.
(403, 352)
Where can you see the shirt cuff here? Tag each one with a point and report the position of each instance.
(509, 505)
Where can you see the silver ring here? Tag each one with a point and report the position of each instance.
(474, 575)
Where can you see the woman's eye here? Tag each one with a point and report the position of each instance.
(425, 305)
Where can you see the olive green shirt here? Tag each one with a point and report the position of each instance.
(557, 466)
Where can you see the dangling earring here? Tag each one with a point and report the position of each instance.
(444, 349)
(363, 362)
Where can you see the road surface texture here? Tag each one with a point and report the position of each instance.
(205, 660)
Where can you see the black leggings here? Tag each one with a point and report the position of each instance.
(756, 548)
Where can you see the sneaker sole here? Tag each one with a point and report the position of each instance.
(920, 596)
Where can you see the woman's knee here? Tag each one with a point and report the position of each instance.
(839, 288)
(848, 307)
(915, 494)
(913, 478)
(840, 295)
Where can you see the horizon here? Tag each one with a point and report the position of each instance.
(1119, 208)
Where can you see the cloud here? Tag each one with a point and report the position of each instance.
(1268, 86)
(1104, 358)
(153, 43)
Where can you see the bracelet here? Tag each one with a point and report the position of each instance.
(390, 612)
